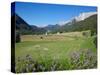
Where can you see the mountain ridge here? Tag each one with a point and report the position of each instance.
(80, 17)
(73, 25)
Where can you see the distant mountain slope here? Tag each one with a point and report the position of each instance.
(20, 23)
(89, 23)
(84, 15)
(80, 17)
(24, 28)
(52, 28)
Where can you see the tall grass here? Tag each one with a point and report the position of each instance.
(83, 59)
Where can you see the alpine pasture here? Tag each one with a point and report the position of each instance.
(71, 50)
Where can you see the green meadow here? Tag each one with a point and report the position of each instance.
(54, 49)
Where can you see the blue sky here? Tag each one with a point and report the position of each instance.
(44, 14)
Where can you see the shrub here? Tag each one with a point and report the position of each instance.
(95, 41)
(86, 33)
(18, 37)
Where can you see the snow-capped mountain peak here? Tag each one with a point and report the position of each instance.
(82, 16)
(85, 15)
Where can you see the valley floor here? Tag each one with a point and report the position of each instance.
(55, 52)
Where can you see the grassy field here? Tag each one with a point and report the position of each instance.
(51, 49)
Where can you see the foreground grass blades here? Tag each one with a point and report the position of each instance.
(85, 59)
